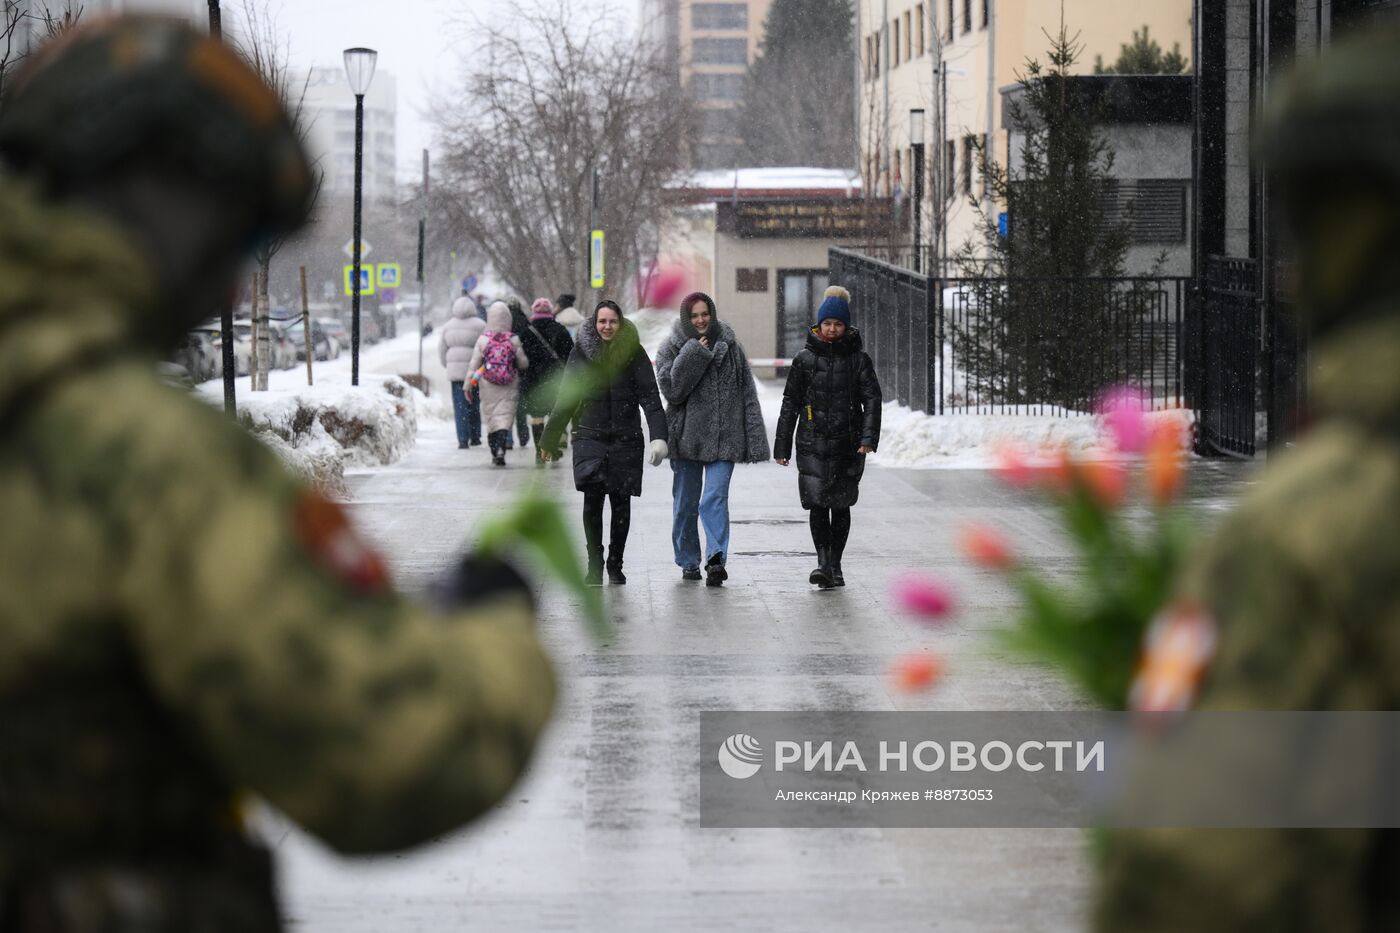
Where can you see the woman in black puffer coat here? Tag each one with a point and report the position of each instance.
(607, 431)
(833, 401)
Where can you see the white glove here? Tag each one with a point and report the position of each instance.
(659, 450)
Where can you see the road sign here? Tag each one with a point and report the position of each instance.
(366, 280)
(349, 247)
(595, 260)
(388, 275)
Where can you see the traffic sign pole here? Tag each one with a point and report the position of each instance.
(422, 232)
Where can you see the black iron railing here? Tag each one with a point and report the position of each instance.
(1047, 346)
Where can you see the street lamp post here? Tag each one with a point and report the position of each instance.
(916, 142)
(359, 68)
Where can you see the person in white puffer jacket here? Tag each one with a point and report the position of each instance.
(455, 347)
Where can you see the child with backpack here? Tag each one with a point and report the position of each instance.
(501, 358)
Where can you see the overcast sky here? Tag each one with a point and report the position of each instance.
(417, 41)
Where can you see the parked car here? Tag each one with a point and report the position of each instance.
(242, 346)
(284, 351)
(337, 332)
(199, 354)
(321, 343)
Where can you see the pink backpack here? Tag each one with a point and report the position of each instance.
(499, 359)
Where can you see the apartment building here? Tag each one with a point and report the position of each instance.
(708, 48)
(951, 59)
(330, 113)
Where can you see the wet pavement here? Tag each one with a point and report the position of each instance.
(604, 832)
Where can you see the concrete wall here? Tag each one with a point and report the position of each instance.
(1238, 99)
(754, 315)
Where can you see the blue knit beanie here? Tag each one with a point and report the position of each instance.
(837, 304)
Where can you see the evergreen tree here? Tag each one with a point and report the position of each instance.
(1143, 56)
(799, 102)
(1043, 322)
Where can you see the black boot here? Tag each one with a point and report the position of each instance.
(715, 574)
(615, 574)
(835, 569)
(818, 577)
(537, 431)
(594, 574)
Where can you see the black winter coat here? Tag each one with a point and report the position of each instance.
(536, 381)
(608, 444)
(833, 400)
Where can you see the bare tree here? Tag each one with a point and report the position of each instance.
(550, 98)
(267, 50)
(19, 25)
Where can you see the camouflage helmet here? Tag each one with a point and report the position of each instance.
(150, 89)
(1338, 112)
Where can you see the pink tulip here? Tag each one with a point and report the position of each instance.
(915, 673)
(1122, 411)
(923, 598)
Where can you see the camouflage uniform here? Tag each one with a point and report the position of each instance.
(1303, 579)
(182, 623)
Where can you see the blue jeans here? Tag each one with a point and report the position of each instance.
(700, 491)
(467, 416)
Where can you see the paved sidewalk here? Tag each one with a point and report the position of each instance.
(604, 833)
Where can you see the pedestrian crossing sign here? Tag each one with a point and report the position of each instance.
(388, 273)
(595, 260)
(366, 280)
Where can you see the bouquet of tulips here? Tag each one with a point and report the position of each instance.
(1094, 630)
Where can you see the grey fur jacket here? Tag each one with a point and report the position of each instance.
(712, 405)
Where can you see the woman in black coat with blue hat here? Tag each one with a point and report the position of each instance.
(832, 401)
(608, 443)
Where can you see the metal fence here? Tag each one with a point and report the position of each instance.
(1046, 346)
(1226, 421)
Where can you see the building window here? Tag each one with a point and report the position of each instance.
(719, 16)
(948, 26)
(986, 13)
(894, 51)
(720, 51)
(908, 39)
(751, 280)
(717, 87)
(923, 45)
(967, 16)
(716, 155)
(950, 173)
(969, 148)
(719, 123)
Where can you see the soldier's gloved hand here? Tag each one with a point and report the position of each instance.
(476, 578)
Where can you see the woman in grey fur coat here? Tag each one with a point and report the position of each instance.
(715, 422)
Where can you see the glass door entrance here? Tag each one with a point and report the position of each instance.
(799, 296)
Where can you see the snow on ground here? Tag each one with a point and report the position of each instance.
(319, 430)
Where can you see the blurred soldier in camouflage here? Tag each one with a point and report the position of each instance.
(181, 623)
(1302, 582)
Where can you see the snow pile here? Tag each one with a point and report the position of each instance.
(373, 424)
(913, 440)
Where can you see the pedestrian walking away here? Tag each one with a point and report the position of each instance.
(538, 387)
(567, 315)
(607, 431)
(714, 422)
(500, 358)
(534, 352)
(832, 401)
(456, 344)
(184, 625)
